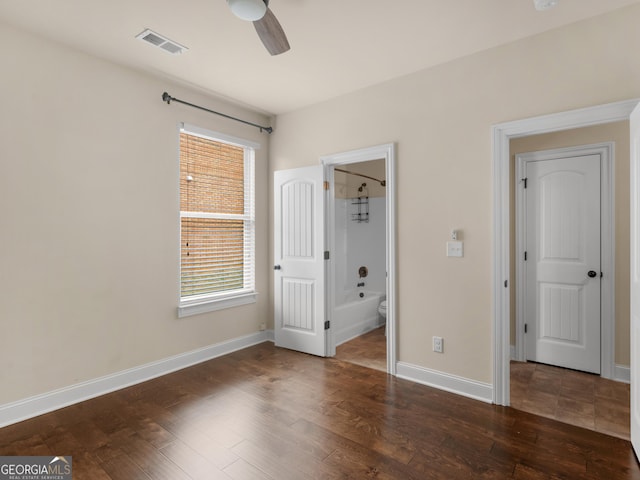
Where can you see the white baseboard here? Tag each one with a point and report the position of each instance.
(270, 336)
(444, 381)
(622, 374)
(47, 402)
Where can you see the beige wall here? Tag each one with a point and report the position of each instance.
(441, 121)
(89, 219)
(614, 132)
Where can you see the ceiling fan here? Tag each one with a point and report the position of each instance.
(264, 21)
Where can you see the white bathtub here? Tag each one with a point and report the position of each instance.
(355, 315)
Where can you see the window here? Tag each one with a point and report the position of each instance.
(217, 221)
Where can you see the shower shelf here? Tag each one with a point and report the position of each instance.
(362, 213)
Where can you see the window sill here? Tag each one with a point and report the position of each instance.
(196, 307)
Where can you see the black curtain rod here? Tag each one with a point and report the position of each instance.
(381, 182)
(168, 98)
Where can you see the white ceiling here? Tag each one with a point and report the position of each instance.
(337, 46)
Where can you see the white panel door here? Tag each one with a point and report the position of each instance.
(562, 304)
(299, 285)
(635, 280)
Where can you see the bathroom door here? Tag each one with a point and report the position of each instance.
(299, 266)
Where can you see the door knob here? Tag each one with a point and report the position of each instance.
(592, 274)
(277, 267)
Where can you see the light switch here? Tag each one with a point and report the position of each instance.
(454, 249)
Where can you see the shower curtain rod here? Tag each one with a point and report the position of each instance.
(168, 98)
(382, 182)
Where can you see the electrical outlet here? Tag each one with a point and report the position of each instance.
(438, 344)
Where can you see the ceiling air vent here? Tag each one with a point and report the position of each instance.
(161, 41)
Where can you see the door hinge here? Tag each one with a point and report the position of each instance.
(326, 255)
(525, 328)
(525, 256)
(506, 283)
(326, 185)
(327, 324)
(525, 181)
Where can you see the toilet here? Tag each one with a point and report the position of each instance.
(382, 309)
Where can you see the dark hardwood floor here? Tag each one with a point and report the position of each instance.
(578, 398)
(368, 350)
(268, 413)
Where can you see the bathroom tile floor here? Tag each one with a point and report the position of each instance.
(577, 398)
(368, 350)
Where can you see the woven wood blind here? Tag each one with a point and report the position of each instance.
(217, 222)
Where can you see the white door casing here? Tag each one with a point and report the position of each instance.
(562, 301)
(501, 135)
(386, 152)
(299, 279)
(635, 279)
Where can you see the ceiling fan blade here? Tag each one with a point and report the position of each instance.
(271, 34)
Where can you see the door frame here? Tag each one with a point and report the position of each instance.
(501, 134)
(606, 151)
(386, 152)
(634, 241)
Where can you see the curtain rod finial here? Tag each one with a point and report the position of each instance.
(166, 98)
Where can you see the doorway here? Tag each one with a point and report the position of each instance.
(567, 395)
(360, 281)
(304, 265)
(350, 275)
(502, 134)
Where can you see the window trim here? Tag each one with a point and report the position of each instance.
(197, 304)
(217, 136)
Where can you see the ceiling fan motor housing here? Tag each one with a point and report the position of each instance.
(249, 10)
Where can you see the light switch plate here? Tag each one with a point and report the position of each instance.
(455, 249)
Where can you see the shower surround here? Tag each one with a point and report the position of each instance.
(359, 244)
